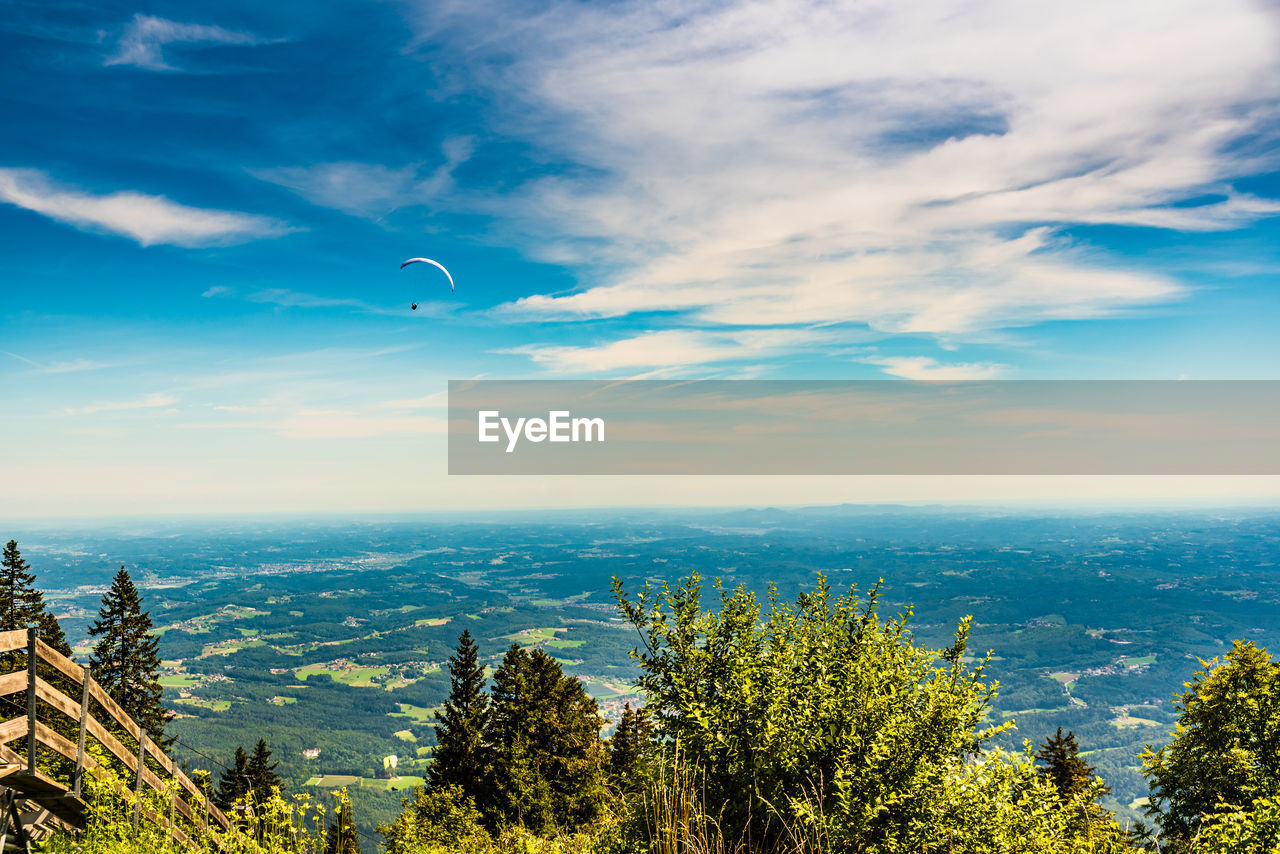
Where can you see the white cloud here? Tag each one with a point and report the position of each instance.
(663, 349)
(906, 166)
(155, 400)
(142, 44)
(149, 220)
(217, 291)
(370, 189)
(928, 368)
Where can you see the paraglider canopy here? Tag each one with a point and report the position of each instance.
(436, 264)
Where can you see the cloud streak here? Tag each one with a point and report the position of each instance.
(149, 220)
(910, 168)
(144, 39)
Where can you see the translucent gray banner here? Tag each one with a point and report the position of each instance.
(864, 427)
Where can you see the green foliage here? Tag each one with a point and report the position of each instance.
(293, 826)
(460, 758)
(1061, 765)
(544, 736)
(233, 784)
(263, 780)
(125, 660)
(436, 818)
(1231, 830)
(1226, 745)
(822, 727)
(630, 748)
(22, 604)
(342, 837)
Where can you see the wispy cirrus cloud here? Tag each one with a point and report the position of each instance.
(665, 349)
(63, 366)
(370, 189)
(149, 220)
(929, 368)
(156, 400)
(144, 39)
(911, 168)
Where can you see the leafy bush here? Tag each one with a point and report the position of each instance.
(820, 727)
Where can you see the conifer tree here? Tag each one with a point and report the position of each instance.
(22, 604)
(263, 780)
(233, 785)
(126, 659)
(548, 759)
(342, 837)
(460, 758)
(1061, 765)
(629, 746)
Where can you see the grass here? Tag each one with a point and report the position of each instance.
(211, 705)
(1139, 661)
(406, 735)
(356, 676)
(282, 701)
(434, 621)
(179, 681)
(335, 781)
(1129, 722)
(417, 714)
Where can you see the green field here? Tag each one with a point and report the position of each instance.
(357, 676)
(417, 714)
(179, 680)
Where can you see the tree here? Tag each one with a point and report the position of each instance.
(460, 758)
(548, 759)
(1061, 765)
(126, 659)
(629, 747)
(234, 783)
(824, 722)
(22, 604)
(1225, 750)
(342, 837)
(440, 817)
(263, 780)
(1075, 782)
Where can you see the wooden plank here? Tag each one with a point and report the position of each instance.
(56, 741)
(12, 683)
(58, 700)
(9, 641)
(81, 732)
(113, 709)
(9, 730)
(68, 667)
(31, 701)
(110, 742)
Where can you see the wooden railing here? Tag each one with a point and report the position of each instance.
(46, 704)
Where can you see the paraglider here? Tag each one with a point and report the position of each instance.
(437, 264)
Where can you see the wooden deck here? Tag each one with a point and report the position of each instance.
(35, 804)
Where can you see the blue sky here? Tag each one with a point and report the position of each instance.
(203, 206)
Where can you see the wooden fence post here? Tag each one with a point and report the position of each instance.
(31, 702)
(84, 725)
(137, 785)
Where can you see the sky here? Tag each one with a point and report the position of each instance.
(203, 207)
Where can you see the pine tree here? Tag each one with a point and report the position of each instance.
(233, 785)
(22, 604)
(342, 837)
(629, 747)
(460, 758)
(1062, 765)
(263, 780)
(126, 660)
(548, 758)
